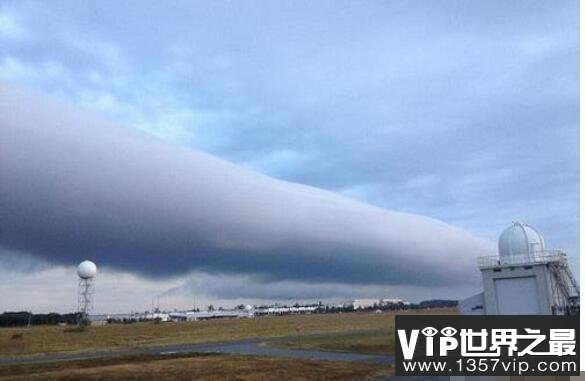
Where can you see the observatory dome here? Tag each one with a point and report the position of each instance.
(86, 270)
(520, 240)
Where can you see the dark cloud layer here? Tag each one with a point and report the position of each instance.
(75, 186)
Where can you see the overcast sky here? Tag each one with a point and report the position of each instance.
(464, 112)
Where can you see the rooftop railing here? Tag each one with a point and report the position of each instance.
(540, 257)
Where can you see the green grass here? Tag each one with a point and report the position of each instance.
(380, 341)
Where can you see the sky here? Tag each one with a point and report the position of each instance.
(454, 116)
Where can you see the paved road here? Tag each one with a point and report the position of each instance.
(245, 347)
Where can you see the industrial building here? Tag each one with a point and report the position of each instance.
(524, 278)
(360, 304)
(278, 310)
(248, 311)
(204, 315)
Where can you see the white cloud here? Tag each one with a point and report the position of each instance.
(11, 27)
(162, 211)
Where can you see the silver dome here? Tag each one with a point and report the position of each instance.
(520, 241)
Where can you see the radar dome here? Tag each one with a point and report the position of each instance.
(520, 241)
(86, 270)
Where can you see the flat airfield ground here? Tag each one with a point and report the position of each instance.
(357, 332)
(357, 327)
(195, 367)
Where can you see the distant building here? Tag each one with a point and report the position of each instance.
(276, 310)
(204, 315)
(360, 304)
(98, 320)
(160, 316)
(103, 319)
(524, 279)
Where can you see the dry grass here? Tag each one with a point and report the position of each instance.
(51, 339)
(201, 368)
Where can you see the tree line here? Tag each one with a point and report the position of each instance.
(24, 318)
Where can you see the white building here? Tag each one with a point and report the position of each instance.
(285, 310)
(216, 314)
(358, 304)
(524, 279)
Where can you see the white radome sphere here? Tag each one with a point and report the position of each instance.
(86, 270)
(520, 240)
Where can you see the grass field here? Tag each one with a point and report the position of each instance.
(201, 368)
(347, 331)
(377, 341)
